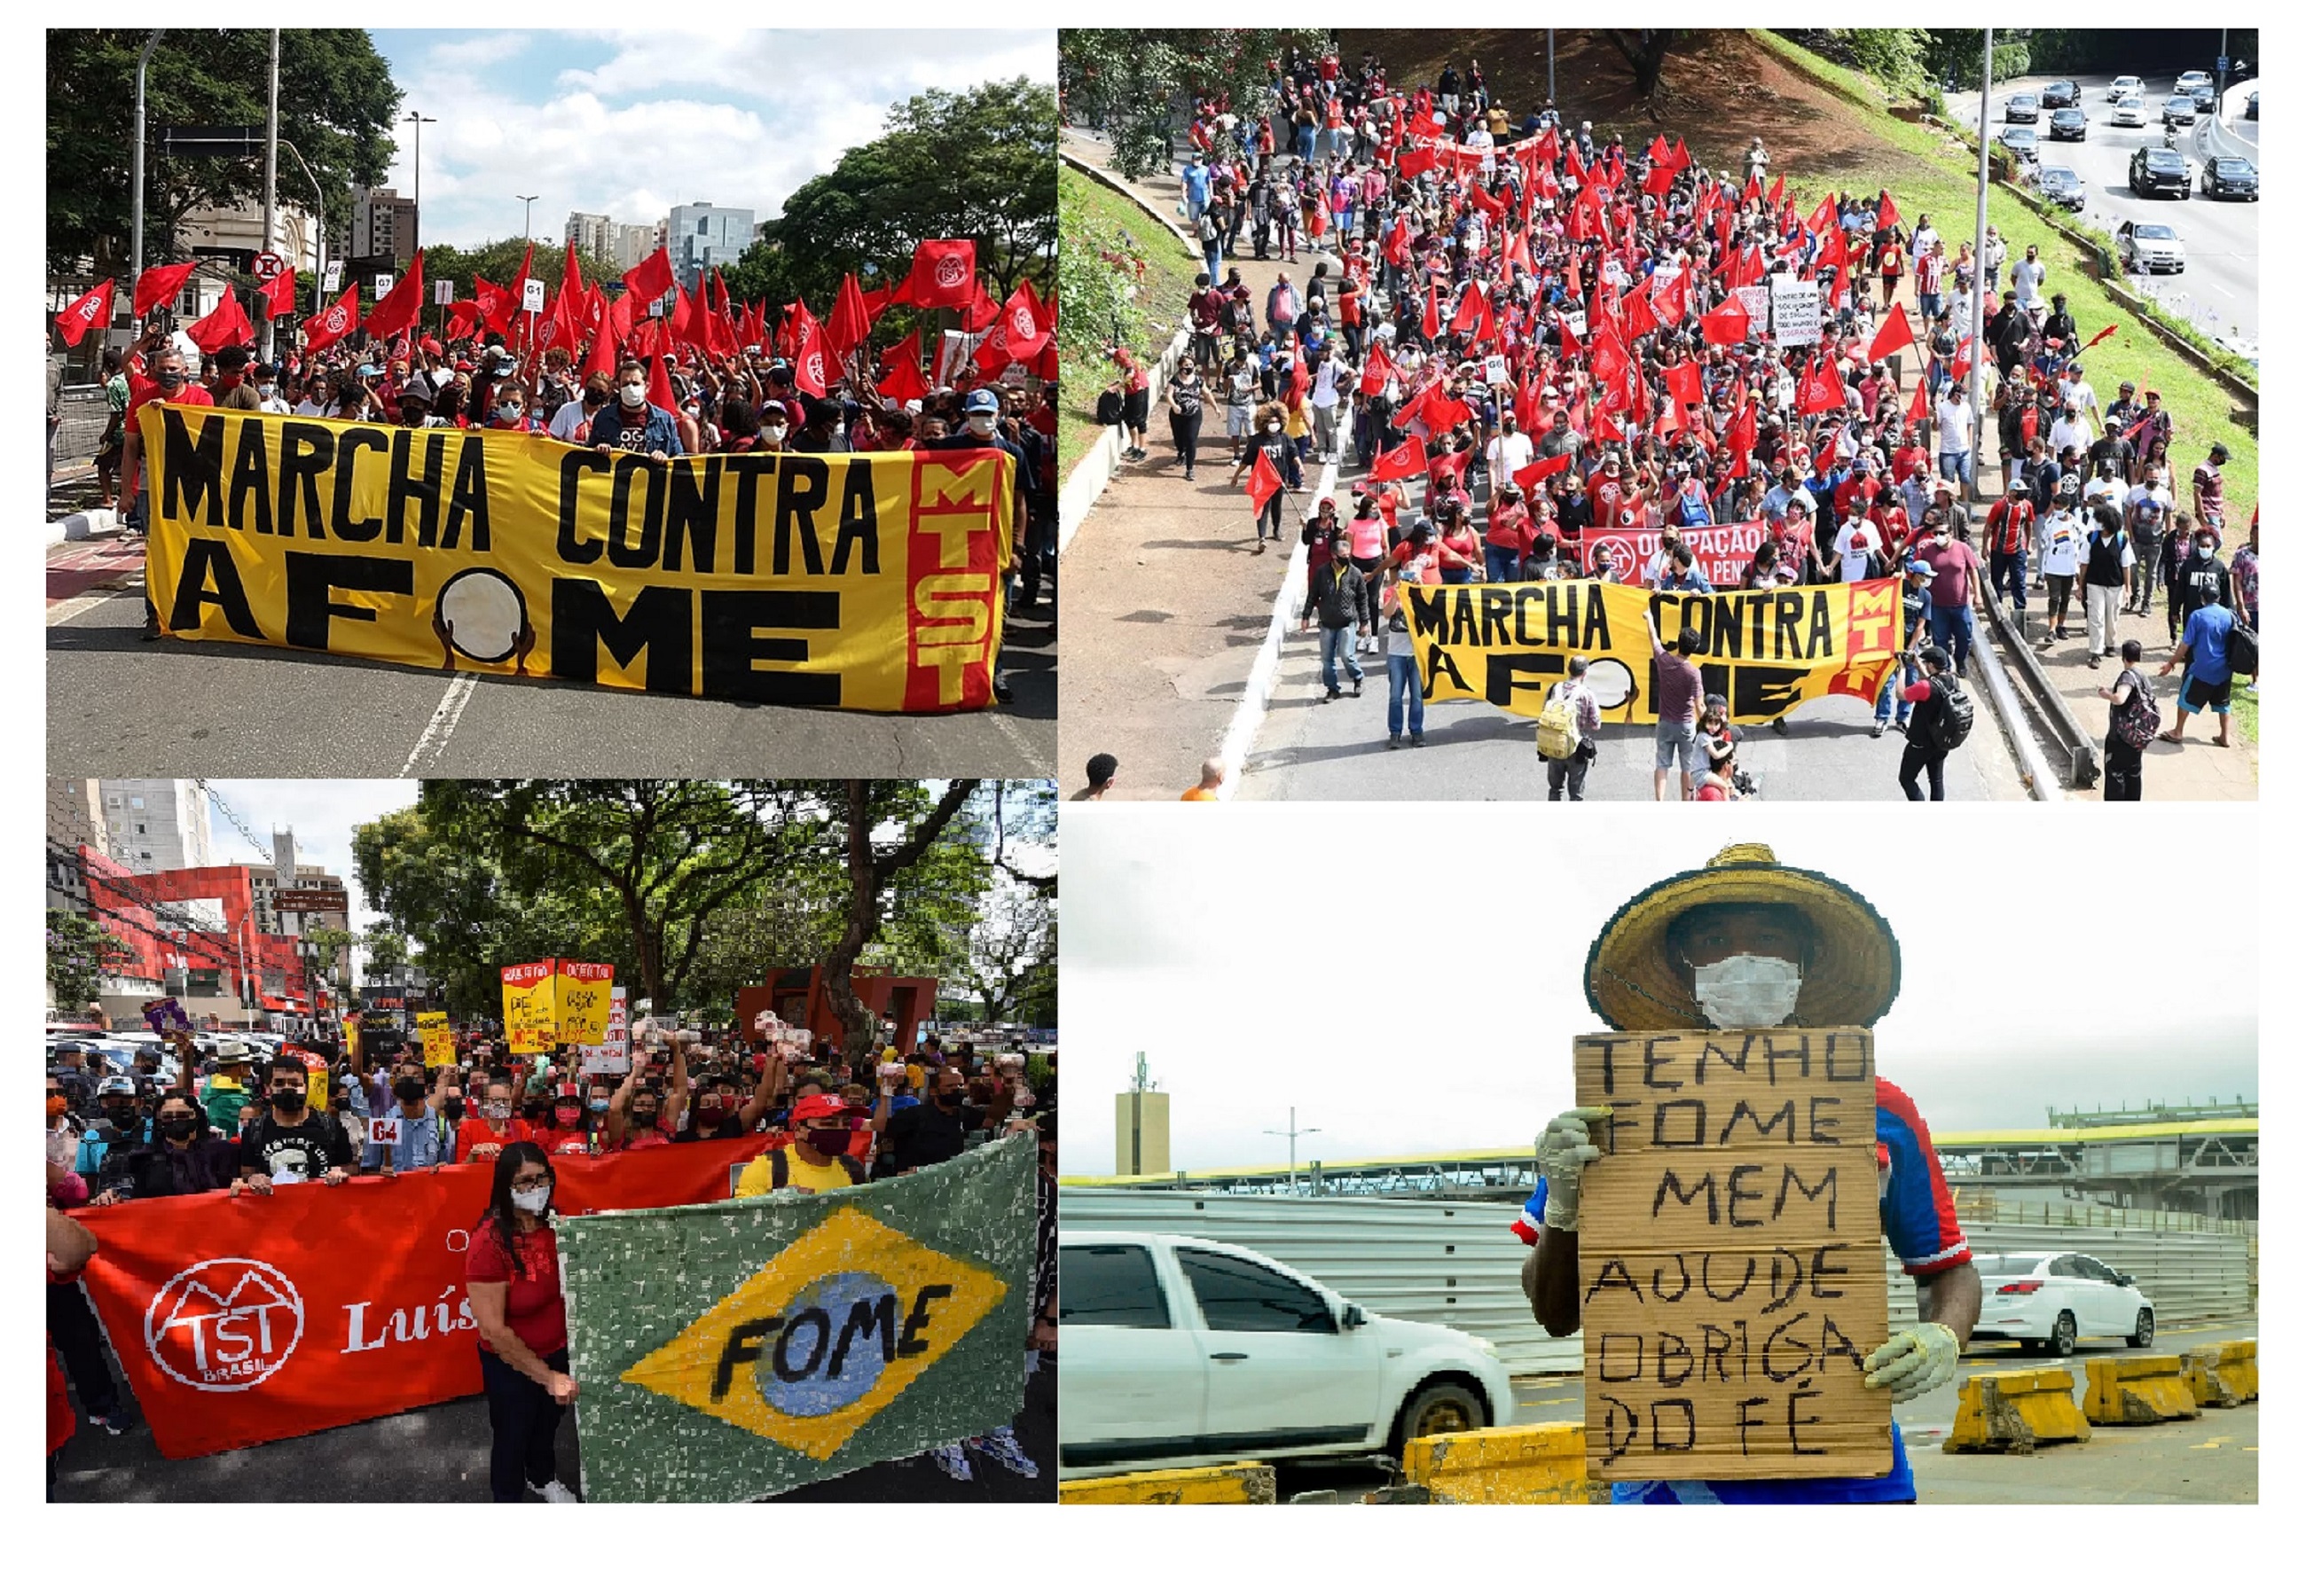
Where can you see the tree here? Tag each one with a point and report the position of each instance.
(1646, 50)
(338, 103)
(384, 950)
(887, 833)
(1012, 957)
(79, 952)
(1133, 82)
(329, 941)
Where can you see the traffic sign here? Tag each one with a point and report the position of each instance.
(269, 265)
(2222, 63)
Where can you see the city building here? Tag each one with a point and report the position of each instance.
(287, 872)
(234, 235)
(382, 236)
(1140, 1127)
(591, 233)
(76, 820)
(701, 235)
(635, 244)
(193, 934)
(152, 826)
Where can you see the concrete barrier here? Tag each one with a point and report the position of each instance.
(2146, 1390)
(1249, 1484)
(2222, 1374)
(1520, 1463)
(2016, 1413)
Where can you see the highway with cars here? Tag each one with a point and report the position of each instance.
(2218, 290)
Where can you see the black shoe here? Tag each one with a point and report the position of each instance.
(1357, 686)
(152, 634)
(1876, 731)
(1189, 476)
(1416, 739)
(1394, 741)
(1779, 726)
(1001, 690)
(1333, 696)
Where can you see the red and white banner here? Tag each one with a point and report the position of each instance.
(241, 1320)
(1723, 552)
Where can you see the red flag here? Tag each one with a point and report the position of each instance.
(1726, 324)
(1415, 159)
(1639, 317)
(223, 326)
(980, 310)
(1670, 303)
(1397, 241)
(1894, 333)
(2096, 341)
(943, 273)
(1959, 369)
(516, 290)
(1886, 214)
(903, 380)
(1471, 304)
(1537, 471)
(811, 359)
(1376, 370)
(1682, 381)
(1777, 191)
(661, 380)
(1753, 188)
(652, 280)
(1920, 407)
(1819, 390)
(398, 311)
(849, 324)
(1020, 320)
(1264, 480)
(160, 283)
(1822, 218)
(280, 294)
(91, 309)
(1400, 464)
(1431, 324)
(334, 322)
(1745, 429)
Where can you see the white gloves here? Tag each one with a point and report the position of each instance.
(1563, 1152)
(1912, 1361)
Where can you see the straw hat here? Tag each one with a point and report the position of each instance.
(1631, 981)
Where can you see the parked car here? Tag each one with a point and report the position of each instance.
(2130, 112)
(2069, 123)
(1180, 1351)
(2049, 1300)
(2065, 91)
(2149, 247)
(2179, 111)
(2154, 170)
(2129, 86)
(2022, 107)
(2229, 177)
(2062, 185)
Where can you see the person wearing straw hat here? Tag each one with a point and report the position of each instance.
(1745, 943)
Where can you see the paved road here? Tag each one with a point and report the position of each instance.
(2218, 291)
(121, 707)
(441, 1454)
(2213, 1458)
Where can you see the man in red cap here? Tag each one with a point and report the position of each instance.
(817, 1158)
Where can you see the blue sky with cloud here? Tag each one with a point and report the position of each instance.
(631, 122)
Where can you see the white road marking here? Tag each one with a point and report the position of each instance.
(66, 608)
(443, 723)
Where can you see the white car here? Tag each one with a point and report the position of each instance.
(2192, 82)
(2149, 247)
(2130, 111)
(1179, 1352)
(2052, 1300)
(2126, 87)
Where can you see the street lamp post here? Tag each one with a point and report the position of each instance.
(527, 202)
(417, 171)
(1977, 279)
(1293, 1133)
(320, 226)
(136, 176)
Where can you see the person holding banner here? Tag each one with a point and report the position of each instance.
(187, 1154)
(512, 1277)
(292, 1142)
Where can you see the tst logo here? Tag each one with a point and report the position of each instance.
(224, 1325)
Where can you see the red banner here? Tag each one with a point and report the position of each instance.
(242, 1319)
(1723, 552)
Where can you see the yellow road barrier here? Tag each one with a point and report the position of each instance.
(1243, 1483)
(2222, 1374)
(2137, 1391)
(2016, 1413)
(1521, 1462)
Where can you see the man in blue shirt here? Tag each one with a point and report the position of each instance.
(1748, 943)
(1197, 189)
(632, 422)
(2209, 677)
(426, 1139)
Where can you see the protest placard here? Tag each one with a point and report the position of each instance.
(1795, 316)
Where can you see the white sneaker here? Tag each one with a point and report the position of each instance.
(552, 1490)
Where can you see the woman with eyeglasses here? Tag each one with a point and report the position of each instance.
(512, 1274)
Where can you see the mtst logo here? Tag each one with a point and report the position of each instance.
(224, 1325)
(950, 273)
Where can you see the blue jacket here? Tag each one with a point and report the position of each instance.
(664, 432)
(98, 1140)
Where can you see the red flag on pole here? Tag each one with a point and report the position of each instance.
(1400, 464)
(398, 311)
(91, 309)
(903, 382)
(810, 360)
(943, 274)
(1920, 407)
(1726, 324)
(1264, 480)
(1886, 214)
(1431, 324)
(2099, 339)
(1537, 471)
(849, 324)
(1377, 370)
(1894, 333)
(1819, 390)
(223, 326)
(280, 294)
(652, 280)
(660, 378)
(334, 322)
(161, 284)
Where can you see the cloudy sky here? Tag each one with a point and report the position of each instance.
(322, 815)
(630, 123)
(1429, 1007)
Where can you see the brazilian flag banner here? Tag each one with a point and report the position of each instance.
(734, 1350)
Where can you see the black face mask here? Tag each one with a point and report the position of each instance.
(408, 1091)
(179, 1127)
(454, 1108)
(170, 379)
(949, 1099)
(288, 1099)
(126, 1116)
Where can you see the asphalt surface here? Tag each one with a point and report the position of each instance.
(118, 706)
(2219, 288)
(440, 1454)
(2212, 1458)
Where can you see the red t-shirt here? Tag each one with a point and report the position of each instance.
(564, 1144)
(477, 1139)
(534, 1309)
(141, 392)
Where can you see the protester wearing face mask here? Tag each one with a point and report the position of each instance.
(573, 422)
(291, 1142)
(512, 1277)
(819, 1158)
(1749, 943)
(631, 422)
(496, 1128)
(567, 1123)
(186, 1155)
(635, 1113)
(120, 1123)
(267, 378)
(937, 1129)
(170, 384)
(509, 411)
(428, 1138)
(719, 1113)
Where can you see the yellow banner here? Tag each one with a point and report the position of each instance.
(440, 1041)
(353, 1040)
(580, 995)
(530, 1023)
(866, 582)
(1763, 650)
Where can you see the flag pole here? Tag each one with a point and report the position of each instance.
(1977, 439)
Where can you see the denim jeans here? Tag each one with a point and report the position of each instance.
(1401, 678)
(1950, 629)
(2008, 574)
(1900, 678)
(1338, 644)
(1504, 564)
(1954, 465)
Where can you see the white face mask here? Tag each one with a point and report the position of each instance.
(634, 394)
(981, 425)
(533, 1202)
(773, 434)
(511, 412)
(1747, 990)
(1273, 426)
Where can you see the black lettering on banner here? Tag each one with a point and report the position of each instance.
(746, 470)
(1747, 1422)
(1819, 643)
(1426, 611)
(743, 1346)
(1785, 644)
(307, 450)
(208, 559)
(692, 512)
(1438, 664)
(1508, 674)
(193, 474)
(733, 620)
(1833, 1343)
(469, 498)
(1655, 1051)
(820, 1324)
(1613, 1273)
(1713, 1049)
(860, 523)
(641, 555)
(1819, 1127)
(1670, 1182)
(1794, 1182)
(1596, 640)
(910, 1344)
(1779, 1259)
(1761, 1126)
(422, 489)
(1795, 1422)
(1523, 598)
(1697, 1137)
(1863, 1043)
(312, 580)
(1497, 614)
(1715, 1348)
(1602, 1358)
(1461, 631)
(1728, 609)
(803, 481)
(251, 482)
(1784, 1331)
(1688, 1441)
(1675, 1362)
(1561, 609)
(1619, 1426)
(349, 443)
(1738, 1194)
(660, 620)
(1705, 1277)
(1772, 1053)
(572, 548)
(1820, 1271)
(869, 1314)
(1657, 1282)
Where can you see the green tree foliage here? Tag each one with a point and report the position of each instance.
(338, 103)
(499, 262)
(1100, 275)
(1897, 58)
(1012, 958)
(890, 832)
(1136, 85)
(80, 950)
(978, 164)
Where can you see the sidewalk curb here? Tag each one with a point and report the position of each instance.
(1249, 717)
(83, 527)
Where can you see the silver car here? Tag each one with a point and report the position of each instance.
(2130, 111)
(2151, 247)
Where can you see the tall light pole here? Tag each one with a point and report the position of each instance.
(1548, 66)
(319, 227)
(417, 171)
(527, 202)
(1293, 1133)
(272, 166)
(1977, 278)
(136, 176)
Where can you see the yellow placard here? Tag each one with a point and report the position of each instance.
(530, 1023)
(353, 1040)
(1764, 652)
(439, 1042)
(580, 995)
(866, 582)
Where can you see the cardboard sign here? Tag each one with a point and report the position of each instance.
(1493, 371)
(531, 294)
(580, 1000)
(1729, 1256)
(530, 1023)
(1754, 299)
(385, 1132)
(444, 291)
(613, 1055)
(1795, 314)
(1574, 320)
(439, 1042)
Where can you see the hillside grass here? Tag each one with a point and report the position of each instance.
(1117, 224)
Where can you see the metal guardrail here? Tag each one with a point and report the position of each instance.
(2072, 747)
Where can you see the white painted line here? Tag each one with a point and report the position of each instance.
(443, 724)
(65, 609)
(1249, 715)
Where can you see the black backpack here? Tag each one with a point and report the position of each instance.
(1109, 409)
(2242, 651)
(1956, 713)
